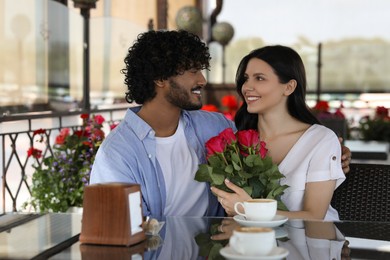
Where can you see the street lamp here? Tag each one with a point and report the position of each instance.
(222, 33)
(85, 6)
(189, 18)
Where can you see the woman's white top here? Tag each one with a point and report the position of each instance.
(316, 156)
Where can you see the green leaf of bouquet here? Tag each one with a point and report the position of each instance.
(223, 187)
(244, 175)
(205, 244)
(229, 169)
(250, 159)
(217, 179)
(236, 166)
(279, 190)
(257, 161)
(274, 173)
(276, 176)
(214, 252)
(257, 188)
(282, 206)
(266, 162)
(203, 173)
(237, 180)
(235, 157)
(248, 190)
(215, 161)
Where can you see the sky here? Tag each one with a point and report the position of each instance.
(281, 21)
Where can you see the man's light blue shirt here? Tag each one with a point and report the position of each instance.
(128, 155)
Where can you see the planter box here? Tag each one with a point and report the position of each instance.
(368, 150)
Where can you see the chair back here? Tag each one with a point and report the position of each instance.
(365, 194)
(338, 125)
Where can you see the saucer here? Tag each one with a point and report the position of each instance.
(275, 222)
(280, 232)
(276, 254)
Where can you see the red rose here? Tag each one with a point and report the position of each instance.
(263, 150)
(248, 138)
(215, 145)
(228, 136)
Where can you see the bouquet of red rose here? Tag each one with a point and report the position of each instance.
(242, 158)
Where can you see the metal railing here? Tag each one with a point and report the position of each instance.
(16, 133)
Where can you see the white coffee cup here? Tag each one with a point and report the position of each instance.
(257, 209)
(253, 241)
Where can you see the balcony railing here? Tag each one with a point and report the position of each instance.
(16, 134)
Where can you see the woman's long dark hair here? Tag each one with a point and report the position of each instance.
(287, 65)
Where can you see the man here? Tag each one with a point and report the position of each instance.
(160, 144)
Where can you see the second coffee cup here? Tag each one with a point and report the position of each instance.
(253, 241)
(257, 209)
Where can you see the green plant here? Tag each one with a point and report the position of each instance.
(242, 158)
(58, 181)
(376, 128)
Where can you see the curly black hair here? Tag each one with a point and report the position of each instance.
(158, 55)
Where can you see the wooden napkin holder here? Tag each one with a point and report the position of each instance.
(112, 214)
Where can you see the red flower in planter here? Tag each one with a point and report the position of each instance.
(321, 110)
(382, 112)
(36, 153)
(230, 102)
(210, 108)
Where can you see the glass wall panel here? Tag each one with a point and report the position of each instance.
(354, 36)
(110, 40)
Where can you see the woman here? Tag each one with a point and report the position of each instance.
(272, 82)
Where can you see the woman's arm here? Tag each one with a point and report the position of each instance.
(316, 201)
(315, 204)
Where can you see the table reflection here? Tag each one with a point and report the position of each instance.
(303, 240)
(54, 236)
(203, 238)
(314, 240)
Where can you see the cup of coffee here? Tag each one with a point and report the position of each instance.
(257, 209)
(253, 241)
